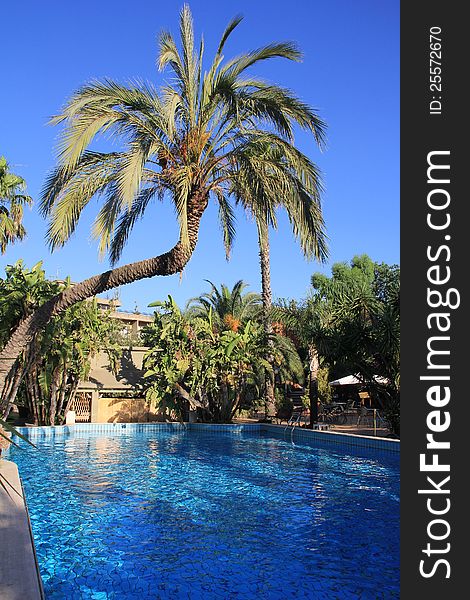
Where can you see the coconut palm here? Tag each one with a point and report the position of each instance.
(230, 308)
(12, 201)
(196, 138)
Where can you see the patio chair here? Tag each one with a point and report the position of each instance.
(365, 416)
(351, 410)
(382, 421)
(324, 412)
(365, 398)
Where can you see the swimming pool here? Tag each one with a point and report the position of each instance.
(195, 515)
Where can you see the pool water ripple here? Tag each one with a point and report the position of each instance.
(193, 515)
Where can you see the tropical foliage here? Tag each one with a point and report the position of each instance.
(59, 357)
(12, 201)
(215, 132)
(215, 370)
(229, 308)
(352, 319)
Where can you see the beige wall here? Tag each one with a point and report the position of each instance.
(122, 410)
(129, 370)
(102, 379)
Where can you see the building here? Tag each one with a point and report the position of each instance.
(107, 397)
(132, 323)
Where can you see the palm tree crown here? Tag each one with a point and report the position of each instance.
(230, 308)
(12, 201)
(218, 133)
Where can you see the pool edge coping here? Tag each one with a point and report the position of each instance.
(19, 568)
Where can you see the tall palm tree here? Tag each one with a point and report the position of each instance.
(267, 300)
(229, 307)
(308, 227)
(12, 200)
(192, 140)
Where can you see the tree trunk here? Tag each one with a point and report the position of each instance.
(39, 399)
(66, 403)
(193, 402)
(61, 392)
(53, 392)
(169, 263)
(314, 365)
(267, 301)
(12, 383)
(14, 379)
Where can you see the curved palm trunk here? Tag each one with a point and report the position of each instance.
(169, 263)
(267, 301)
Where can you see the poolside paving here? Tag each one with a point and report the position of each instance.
(19, 576)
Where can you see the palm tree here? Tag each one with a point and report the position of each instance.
(230, 308)
(308, 227)
(12, 201)
(197, 138)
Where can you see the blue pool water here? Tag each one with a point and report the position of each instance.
(200, 516)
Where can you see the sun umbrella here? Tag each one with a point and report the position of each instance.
(354, 380)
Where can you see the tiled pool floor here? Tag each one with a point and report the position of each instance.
(193, 515)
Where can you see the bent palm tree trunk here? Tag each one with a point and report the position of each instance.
(267, 300)
(169, 263)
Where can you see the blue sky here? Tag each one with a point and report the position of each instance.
(350, 74)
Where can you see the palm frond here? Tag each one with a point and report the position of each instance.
(97, 108)
(287, 50)
(66, 194)
(228, 30)
(128, 219)
(168, 54)
(227, 221)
